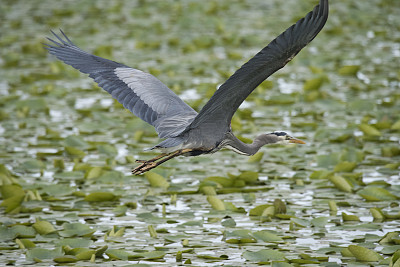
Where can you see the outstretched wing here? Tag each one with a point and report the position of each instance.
(142, 93)
(227, 99)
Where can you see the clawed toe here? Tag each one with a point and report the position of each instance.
(144, 167)
(147, 165)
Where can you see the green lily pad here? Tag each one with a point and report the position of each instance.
(150, 255)
(364, 254)
(76, 141)
(239, 237)
(23, 231)
(100, 197)
(156, 180)
(43, 227)
(266, 236)
(118, 254)
(264, 255)
(369, 130)
(345, 166)
(43, 254)
(374, 193)
(76, 229)
(216, 203)
(75, 242)
(349, 70)
(341, 183)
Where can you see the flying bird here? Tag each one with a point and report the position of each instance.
(186, 132)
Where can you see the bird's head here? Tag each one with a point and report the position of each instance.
(284, 138)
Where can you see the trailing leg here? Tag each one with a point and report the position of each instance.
(154, 162)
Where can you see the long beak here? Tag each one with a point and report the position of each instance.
(296, 141)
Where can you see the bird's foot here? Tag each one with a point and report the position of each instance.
(144, 167)
(154, 162)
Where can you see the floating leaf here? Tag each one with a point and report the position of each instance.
(326, 161)
(76, 141)
(228, 222)
(248, 176)
(256, 157)
(216, 203)
(42, 254)
(345, 166)
(264, 255)
(108, 150)
(120, 210)
(389, 250)
(23, 231)
(25, 243)
(313, 84)
(74, 175)
(268, 212)
(341, 183)
(374, 193)
(100, 196)
(369, 130)
(76, 229)
(391, 151)
(93, 172)
(300, 222)
(320, 174)
(75, 242)
(208, 190)
(349, 70)
(377, 213)
(332, 205)
(151, 255)
(280, 206)
(266, 236)
(156, 180)
(348, 217)
(396, 125)
(33, 165)
(364, 254)
(258, 211)
(222, 181)
(12, 204)
(239, 237)
(74, 152)
(86, 254)
(58, 190)
(389, 238)
(118, 254)
(65, 259)
(320, 221)
(11, 190)
(43, 227)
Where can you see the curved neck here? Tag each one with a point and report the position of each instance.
(233, 143)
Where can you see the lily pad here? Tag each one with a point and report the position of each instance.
(374, 193)
(364, 254)
(156, 180)
(264, 255)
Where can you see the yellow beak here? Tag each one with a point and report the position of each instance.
(296, 141)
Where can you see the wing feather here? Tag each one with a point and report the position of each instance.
(141, 93)
(227, 99)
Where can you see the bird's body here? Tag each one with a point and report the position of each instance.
(185, 131)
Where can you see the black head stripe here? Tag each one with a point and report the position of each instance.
(279, 133)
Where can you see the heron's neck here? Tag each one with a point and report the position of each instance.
(233, 143)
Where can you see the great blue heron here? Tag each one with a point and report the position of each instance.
(185, 131)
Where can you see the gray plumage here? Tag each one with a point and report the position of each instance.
(185, 131)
